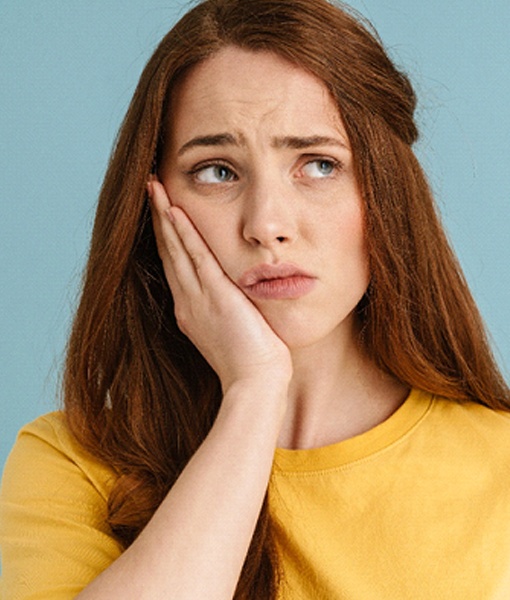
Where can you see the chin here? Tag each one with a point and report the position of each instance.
(299, 334)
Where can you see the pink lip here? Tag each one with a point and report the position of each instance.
(276, 282)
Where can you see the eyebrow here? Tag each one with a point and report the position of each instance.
(288, 141)
(220, 139)
(300, 143)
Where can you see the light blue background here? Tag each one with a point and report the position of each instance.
(67, 71)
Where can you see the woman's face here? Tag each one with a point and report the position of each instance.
(259, 159)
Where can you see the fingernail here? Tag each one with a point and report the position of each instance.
(150, 189)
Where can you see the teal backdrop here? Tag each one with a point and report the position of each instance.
(67, 71)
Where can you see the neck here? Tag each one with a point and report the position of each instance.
(336, 393)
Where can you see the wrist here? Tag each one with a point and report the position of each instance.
(257, 399)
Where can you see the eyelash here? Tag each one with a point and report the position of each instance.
(207, 165)
(336, 165)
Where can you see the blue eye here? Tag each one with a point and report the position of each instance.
(320, 168)
(214, 174)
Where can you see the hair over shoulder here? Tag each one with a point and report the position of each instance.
(138, 395)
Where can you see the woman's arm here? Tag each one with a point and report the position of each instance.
(196, 542)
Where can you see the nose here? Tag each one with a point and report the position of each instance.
(269, 216)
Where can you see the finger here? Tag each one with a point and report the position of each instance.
(207, 267)
(178, 266)
(157, 194)
(159, 204)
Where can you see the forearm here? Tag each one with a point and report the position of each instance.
(196, 542)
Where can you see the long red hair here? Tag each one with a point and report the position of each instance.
(138, 395)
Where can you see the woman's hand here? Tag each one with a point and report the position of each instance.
(192, 547)
(210, 309)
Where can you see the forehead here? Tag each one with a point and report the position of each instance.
(237, 88)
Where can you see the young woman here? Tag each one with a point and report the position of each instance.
(278, 384)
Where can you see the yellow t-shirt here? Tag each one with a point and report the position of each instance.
(418, 508)
(54, 539)
(415, 509)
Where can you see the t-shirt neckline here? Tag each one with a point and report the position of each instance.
(403, 420)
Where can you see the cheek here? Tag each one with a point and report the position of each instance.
(219, 233)
(351, 248)
(199, 213)
(345, 228)
(217, 227)
(358, 248)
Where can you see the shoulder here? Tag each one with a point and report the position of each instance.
(474, 426)
(45, 452)
(473, 413)
(54, 530)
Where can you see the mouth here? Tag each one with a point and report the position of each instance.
(276, 282)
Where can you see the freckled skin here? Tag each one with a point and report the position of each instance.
(257, 199)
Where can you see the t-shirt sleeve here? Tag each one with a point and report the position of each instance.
(54, 538)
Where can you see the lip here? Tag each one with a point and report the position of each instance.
(276, 282)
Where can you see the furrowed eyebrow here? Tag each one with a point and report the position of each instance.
(220, 139)
(300, 143)
(288, 141)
